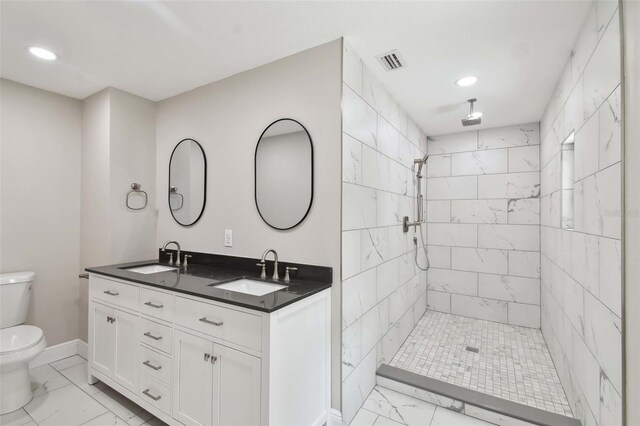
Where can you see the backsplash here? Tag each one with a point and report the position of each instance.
(483, 210)
(384, 294)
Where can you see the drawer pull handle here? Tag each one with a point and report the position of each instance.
(148, 334)
(111, 293)
(153, 305)
(155, 367)
(206, 321)
(155, 398)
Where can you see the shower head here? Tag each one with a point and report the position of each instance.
(421, 162)
(474, 117)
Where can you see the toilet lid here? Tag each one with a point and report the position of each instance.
(18, 338)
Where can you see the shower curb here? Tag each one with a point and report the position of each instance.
(470, 402)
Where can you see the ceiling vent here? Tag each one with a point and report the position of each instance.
(391, 60)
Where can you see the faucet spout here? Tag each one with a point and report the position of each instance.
(276, 277)
(177, 263)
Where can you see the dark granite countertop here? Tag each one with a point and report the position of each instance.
(200, 280)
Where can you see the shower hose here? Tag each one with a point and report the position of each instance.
(424, 249)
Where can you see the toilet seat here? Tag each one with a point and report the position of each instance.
(19, 338)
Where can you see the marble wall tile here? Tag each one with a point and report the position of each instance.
(573, 296)
(406, 152)
(550, 209)
(398, 117)
(439, 165)
(375, 322)
(511, 288)
(387, 206)
(454, 188)
(588, 371)
(351, 160)
(551, 176)
(413, 132)
(351, 348)
(407, 266)
(523, 211)
(585, 261)
(512, 185)
(351, 253)
(603, 337)
(459, 235)
(610, 274)
(574, 109)
(610, 403)
(458, 142)
(560, 94)
(358, 385)
(375, 94)
(375, 247)
(438, 211)
(388, 139)
(605, 11)
(552, 141)
(450, 281)
(439, 301)
(507, 137)
(610, 134)
(399, 303)
(586, 43)
(479, 162)
(358, 296)
(479, 260)
(387, 279)
(602, 75)
(359, 207)
(477, 307)
(351, 68)
(479, 211)
(509, 237)
(439, 256)
(359, 120)
(524, 263)
(609, 201)
(375, 169)
(523, 315)
(586, 150)
(524, 159)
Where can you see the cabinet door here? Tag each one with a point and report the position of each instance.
(192, 379)
(103, 333)
(236, 381)
(126, 347)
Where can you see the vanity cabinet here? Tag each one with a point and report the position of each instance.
(195, 361)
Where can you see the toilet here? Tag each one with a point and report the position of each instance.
(19, 344)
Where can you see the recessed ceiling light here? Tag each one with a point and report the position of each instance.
(42, 53)
(468, 80)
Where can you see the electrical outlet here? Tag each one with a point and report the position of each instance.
(228, 238)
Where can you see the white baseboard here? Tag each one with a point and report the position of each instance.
(60, 351)
(336, 418)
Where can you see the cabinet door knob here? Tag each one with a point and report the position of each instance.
(207, 357)
(111, 293)
(155, 367)
(206, 321)
(213, 359)
(148, 334)
(155, 398)
(153, 305)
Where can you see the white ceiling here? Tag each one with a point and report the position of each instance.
(159, 49)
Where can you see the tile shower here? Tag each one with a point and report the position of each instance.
(536, 292)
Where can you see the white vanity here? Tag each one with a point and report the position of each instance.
(199, 361)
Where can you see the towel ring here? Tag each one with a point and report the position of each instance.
(136, 188)
(173, 190)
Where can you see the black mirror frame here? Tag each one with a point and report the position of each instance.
(204, 200)
(255, 174)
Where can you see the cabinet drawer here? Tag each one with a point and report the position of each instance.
(156, 304)
(155, 365)
(120, 294)
(155, 393)
(227, 324)
(156, 335)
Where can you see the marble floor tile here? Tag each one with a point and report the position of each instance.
(78, 375)
(16, 418)
(512, 362)
(106, 419)
(68, 362)
(67, 405)
(444, 417)
(399, 407)
(45, 379)
(124, 408)
(364, 418)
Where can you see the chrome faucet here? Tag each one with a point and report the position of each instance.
(177, 263)
(275, 277)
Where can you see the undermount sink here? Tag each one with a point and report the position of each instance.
(151, 269)
(253, 287)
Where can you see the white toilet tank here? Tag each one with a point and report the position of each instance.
(15, 295)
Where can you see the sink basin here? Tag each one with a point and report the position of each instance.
(255, 288)
(151, 269)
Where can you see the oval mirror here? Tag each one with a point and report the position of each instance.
(284, 174)
(187, 182)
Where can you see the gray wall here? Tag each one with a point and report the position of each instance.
(483, 209)
(581, 268)
(40, 199)
(227, 117)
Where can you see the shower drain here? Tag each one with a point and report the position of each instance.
(472, 349)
